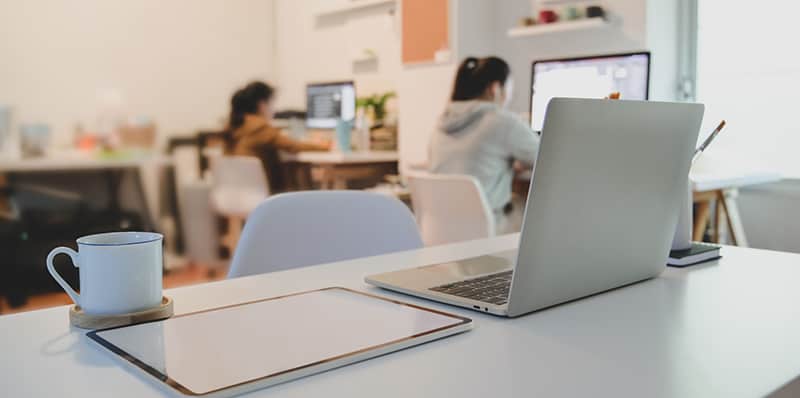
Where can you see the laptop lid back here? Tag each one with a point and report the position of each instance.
(604, 199)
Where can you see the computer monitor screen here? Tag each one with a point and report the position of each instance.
(327, 103)
(588, 77)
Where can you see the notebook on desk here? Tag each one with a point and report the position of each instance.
(698, 253)
(235, 349)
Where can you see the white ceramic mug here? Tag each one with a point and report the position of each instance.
(119, 272)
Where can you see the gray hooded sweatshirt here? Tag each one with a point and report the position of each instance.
(482, 139)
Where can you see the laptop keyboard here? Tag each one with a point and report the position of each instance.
(491, 288)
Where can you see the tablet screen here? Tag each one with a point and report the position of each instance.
(211, 350)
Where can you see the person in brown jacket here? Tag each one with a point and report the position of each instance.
(251, 133)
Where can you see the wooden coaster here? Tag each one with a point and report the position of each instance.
(87, 321)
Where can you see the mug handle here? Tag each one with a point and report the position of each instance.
(64, 285)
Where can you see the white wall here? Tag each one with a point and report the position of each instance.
(424, 89)
(318, 49)
(751, 78)
(662, 40)
(176, 61)
(423, 92)
(769, 215)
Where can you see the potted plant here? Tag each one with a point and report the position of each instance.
(376, 105)
(379, 134)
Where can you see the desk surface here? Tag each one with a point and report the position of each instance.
(709, 181)
(73, 161)
(335, 157)
(728, 328)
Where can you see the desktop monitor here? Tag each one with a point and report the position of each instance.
(588, 77)
(327, 103)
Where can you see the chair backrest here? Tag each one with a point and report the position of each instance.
(207, 142)
(450, 207)
(277, 178)
(299, 229)
(239, 184)
(185, 165)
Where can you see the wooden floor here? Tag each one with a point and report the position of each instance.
(188, 275)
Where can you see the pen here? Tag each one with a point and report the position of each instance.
(708, 140)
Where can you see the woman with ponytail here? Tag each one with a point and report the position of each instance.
(478, 136)
(251, 132)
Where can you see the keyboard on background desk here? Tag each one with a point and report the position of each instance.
(492, 288)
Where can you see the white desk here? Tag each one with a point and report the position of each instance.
(709, 181)
(723, 187)
(336, 157)
(147, 168)
(335, 168)
(78, 162)
(709, 186)
(725, 329)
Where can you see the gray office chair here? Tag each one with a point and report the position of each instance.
(299, 229)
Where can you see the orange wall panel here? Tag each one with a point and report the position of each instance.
(425, 29)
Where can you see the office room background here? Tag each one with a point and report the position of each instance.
(79, 67)
(399, 198)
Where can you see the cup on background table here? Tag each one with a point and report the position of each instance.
(547, 16)
(571, 13)
(683, 231)
(344, 132)
(119, 272)
(5, 125)
(595, 12)
(34, 139)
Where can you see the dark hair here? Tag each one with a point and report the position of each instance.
(245, 101)
(475, 75)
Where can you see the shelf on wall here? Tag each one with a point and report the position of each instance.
(563, 2)
(363, 55)
(555, 27)
(344, 7)
(365, 58)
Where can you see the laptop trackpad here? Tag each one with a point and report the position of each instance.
(439, 274)
(487, 264)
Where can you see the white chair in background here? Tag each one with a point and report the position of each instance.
(299, 229)
(185, 160)
(198, 223)
(450, 208)
(239, 185)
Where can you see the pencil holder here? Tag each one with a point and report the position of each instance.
(683, 231)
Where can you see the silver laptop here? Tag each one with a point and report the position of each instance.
(601, 211)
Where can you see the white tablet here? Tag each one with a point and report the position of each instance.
(231, 350)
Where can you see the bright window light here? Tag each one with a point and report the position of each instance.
(748, 72)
